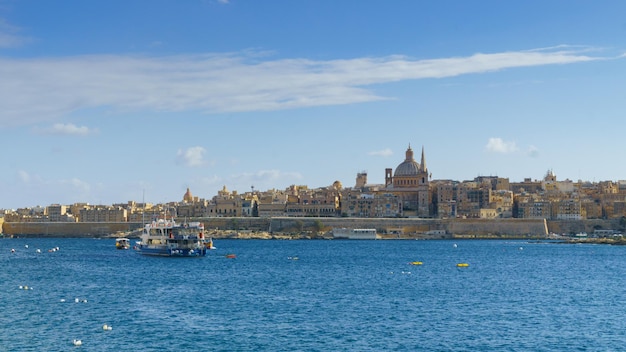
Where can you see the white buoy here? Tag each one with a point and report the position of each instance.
(77, 342)
(62, 300)
(107, 327)
(38, 250)
(12, 250)
(25, 246)
(454, 245)
(76, 300)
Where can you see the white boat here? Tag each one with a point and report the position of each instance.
(167, 238)
(355, 234)
(122, 243)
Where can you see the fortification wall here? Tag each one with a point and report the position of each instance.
(578, 226)
(64, 229)
(407, 226)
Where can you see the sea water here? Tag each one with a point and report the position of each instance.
(317, 295)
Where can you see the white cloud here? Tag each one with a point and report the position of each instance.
(384, 153)
(67, 129)
(533, 151)
(24, 176)
(498, 145)
(41, 89)
(192, 157)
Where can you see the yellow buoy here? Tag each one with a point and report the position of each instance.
(416, 263)
(462, 265)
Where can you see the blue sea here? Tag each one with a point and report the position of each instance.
(314, 295)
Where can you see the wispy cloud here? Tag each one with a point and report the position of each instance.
(263, 179)
(77, 184)
(66, 129)
(267, 175)
(384, 152)
(35, 90)
(24, 176)
(498, 145)
(64, 191)
(533, 151)
(9, 36)
(192, 157)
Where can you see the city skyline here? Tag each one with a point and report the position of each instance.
(108, 102)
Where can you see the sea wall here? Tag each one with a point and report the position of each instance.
(578, 226)
(65, 229)
(410, 227)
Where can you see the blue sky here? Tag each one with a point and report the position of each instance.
(110, 101)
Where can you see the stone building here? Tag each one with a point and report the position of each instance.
(226, 203)
(410, 182)
(192, 206)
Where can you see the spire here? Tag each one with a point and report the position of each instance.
(423, 162)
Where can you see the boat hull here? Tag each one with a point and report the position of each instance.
(172, 252)
(355, 234)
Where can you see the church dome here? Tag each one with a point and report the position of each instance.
(188, 198)
(409, 167)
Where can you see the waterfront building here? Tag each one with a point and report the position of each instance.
(225, 203)
(501, 202)
(444, 198)
(271, 203)
(102, 213)
(318, 202)
(56, 212)
(363, 204)
(531, 207)
(410, 182)
(567, 209)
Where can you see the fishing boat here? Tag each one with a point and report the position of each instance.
(167, 238)
(122, 243)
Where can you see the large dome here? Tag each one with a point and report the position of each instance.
(409, 167)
